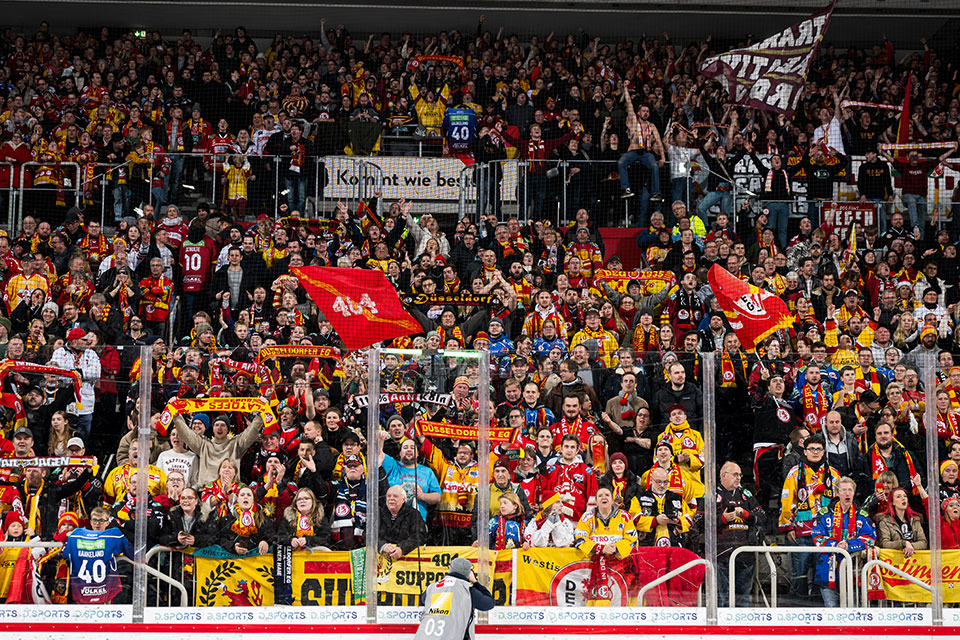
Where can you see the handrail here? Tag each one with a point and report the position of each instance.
(23, 172)
(670, 575)
(865, 582)
(846, 575)
(163, 578)
(773, 578)
(31, 543)
(157, 550)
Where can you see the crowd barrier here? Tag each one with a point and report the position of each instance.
(441, 185)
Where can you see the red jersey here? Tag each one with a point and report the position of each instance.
(577, 486)
(196, 260)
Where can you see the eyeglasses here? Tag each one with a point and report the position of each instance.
(815, 449)
(99, 520)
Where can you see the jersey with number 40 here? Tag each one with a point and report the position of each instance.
(92, 556)
(460, 128)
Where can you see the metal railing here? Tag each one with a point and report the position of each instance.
(184, 595)
(72, 187)
(173, 584)
(160, 558)
(671, 575)
(9, 205)
(845, 581)
(865, 579)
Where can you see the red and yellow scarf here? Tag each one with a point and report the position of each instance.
(245, 525)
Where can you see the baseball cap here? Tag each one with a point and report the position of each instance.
(75, 334)
(75, 442)
(352, 460)
(22, 431)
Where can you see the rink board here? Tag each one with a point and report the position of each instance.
(108, 622)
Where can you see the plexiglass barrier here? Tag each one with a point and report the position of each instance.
(348, 482)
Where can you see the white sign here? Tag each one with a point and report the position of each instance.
(411, 178)
(824, 616)
(254, 615)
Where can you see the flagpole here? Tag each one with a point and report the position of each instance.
(373, 486)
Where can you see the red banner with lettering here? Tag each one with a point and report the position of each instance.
(840, 215)
(361, 304)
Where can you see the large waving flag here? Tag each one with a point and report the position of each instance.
(753, 313)
(361, 304)
(770, 75)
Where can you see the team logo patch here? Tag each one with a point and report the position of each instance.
(571, 586)
(783, 415)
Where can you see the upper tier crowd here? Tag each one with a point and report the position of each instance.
(599, 372)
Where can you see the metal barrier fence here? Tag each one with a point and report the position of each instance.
(65, 187)
(553, 190)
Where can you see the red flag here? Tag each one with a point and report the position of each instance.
(21, 579)
(903, 128)
(361, 304)
(753, 313)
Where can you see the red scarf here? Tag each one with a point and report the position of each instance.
(874, 380)
(815, 406)
(599, 579)
(878, 464)
(837, 534)
(954, 400)
(947, 425)
(838, 521)
(501, 535)
(644, 340)
(626, 409)
(728, 370)
(215, 490)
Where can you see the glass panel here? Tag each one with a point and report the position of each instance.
(838, 441)
(70, 467)
(438, 504)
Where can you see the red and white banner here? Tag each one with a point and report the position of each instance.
(843, 214)
(753, 313)
(770, 75)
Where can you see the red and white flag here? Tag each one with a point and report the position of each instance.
(361, 304)
(770, 75)
(753, 313)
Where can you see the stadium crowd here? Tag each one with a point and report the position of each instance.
(820, 430)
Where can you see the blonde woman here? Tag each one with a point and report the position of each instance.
(303, 525)
(906, 327)
(220, 496)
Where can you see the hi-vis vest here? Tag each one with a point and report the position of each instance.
(447, 611)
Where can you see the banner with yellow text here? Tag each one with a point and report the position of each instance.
(325, 578)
